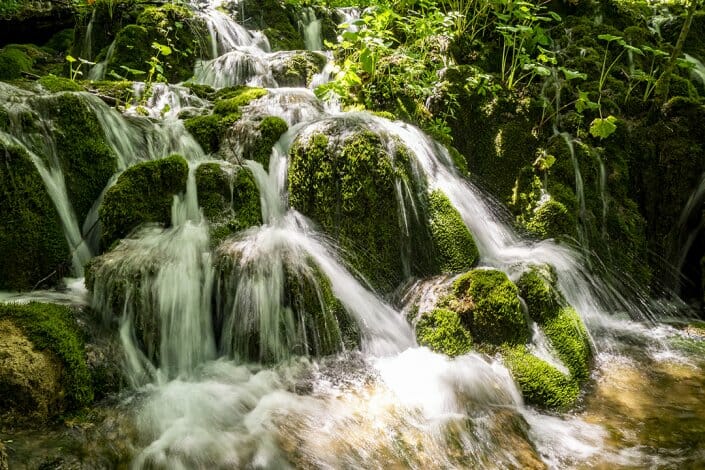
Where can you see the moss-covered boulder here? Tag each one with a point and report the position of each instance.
(210, 130)
(86, 159)
(540, 382)
(143, 193)
(298, 315)
(169, 25)
(455, 247)
(350, 189)
(43, 371)
(13, 62)
(229, 198)
(298, 69)
(31, 239)
(253, 139)
(24, 21)
(278, 20)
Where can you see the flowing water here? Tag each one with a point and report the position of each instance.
(195, 400)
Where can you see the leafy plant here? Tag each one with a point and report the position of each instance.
(76, 72)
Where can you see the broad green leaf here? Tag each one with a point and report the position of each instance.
(609, 37)
(71, 59)
(573, 74)
(603, 128)
(164, 50)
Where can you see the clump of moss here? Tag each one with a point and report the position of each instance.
(13, 62)
(52, 327)
(143, 193)
(489, 302)
(229, 100)
(277, 20)
(561, 323)
(270, 130)
(442, 330)
(207, 130)
(540, 383)
(298, 69)
(32, 242)
(121, 90)
(54, 84)
(455, 247)
(550, 220)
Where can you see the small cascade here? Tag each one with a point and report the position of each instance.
(236, 68)
(226, 34)
(311, 27)
(163, 101)
(165, 316)
(97, 72)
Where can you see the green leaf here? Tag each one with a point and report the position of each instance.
(164, 50)
(603, 128)
(70, 59)
(609, 37)
(544, 162)
(573, 74)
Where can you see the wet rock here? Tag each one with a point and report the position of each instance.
(29, 378)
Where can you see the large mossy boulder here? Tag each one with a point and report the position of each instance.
(32, 242)
(43, 371)
(297, 69)
(455, 249)
(278, 20)
(13, 62)
(350, 190)
(169, 25)
(143, 193)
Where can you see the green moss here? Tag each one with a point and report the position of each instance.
(442, 331)
(537, 288)
(32, 242)
(54, 84)
(489, 302)
(13, 62)
(213, 185)
(246, 201)
(299, 69)
(569, 338)
(143, 193)
(561, 324)
(455, 247)
(277, 20)
(60, 42)
(52, 327)
(229, 100)
(550, 220)
(540, 383)
(207, 130)
(121, 90)
(270, 130)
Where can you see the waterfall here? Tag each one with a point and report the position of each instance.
(311, 27)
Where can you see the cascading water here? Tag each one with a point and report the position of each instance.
(311, 27)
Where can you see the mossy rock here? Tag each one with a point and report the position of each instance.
(488, 302)
(311, 320)
(561, 323)
(31, 238)
(455, 246)
(168, 24)
(229, 100)
(143, 193)
(271, 128)
(87, 161)
(121, 90)
(442, 330)
(229, 199)
(278, 21)
(540, 383)
(350, 190)
(52, 328)
(297, 70)
(54, 84)
(207, 130)
(13, 62)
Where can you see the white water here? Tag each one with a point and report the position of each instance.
(311, 27)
